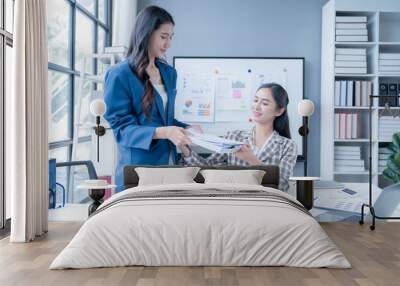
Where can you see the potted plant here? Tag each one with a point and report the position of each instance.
(392, 171)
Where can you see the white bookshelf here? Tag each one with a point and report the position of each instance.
(383, 24)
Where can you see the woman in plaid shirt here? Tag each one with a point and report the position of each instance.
(268, 143)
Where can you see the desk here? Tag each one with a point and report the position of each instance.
(305, 190)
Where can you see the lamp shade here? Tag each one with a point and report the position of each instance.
(97, 107)
(305, 107)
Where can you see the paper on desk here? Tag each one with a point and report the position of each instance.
(349, 199)
(214, 143)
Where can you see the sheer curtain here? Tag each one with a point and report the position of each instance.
(27, 117)
(123, 20)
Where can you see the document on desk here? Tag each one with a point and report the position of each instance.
(349, 199)
(214, 143)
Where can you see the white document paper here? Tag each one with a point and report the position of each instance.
(214, 143)
(349, 199)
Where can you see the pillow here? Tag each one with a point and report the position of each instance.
(249, 177)
(166, 176)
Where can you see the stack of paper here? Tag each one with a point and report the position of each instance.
(388, 125)
(214, 143)
(389, 62)
(352, 60)
(351, 29)
(348, 159)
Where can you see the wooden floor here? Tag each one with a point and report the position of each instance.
(375, 257)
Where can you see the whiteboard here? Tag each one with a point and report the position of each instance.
(216, 92)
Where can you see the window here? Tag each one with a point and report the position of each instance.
(6, 44)
(76, 28)
(58, 31)
(59, 105)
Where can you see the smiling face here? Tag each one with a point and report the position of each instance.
(160, 40)
(264, 108)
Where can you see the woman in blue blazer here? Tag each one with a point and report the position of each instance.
(140, 94)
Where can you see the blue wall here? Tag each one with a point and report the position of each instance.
(257, 28)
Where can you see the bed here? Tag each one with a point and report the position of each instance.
(197, 224)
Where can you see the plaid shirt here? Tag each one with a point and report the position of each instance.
(279, 151)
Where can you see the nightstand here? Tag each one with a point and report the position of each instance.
(96, 193)
(305, 190)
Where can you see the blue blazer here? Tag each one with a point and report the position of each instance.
(123, 94)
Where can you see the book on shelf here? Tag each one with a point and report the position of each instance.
(349, 95)
(357, 93)
(352, 32)
(355, 125)
(342, 126)
(347, 125)
(347, 148)
(383, 90)
(349, 169)
(352, 51)
(351, 29)
(343, 92)
(344, 148)
(353, 58)
(352, 156)
(392, 90)
(348, 70)
(351, 26)
(347, 154)
(347, 162)
(395, 69)
(389, 62)
(337, 93)
(351, 19)
(351, 38)
(352, 93)
(366, 90)
(389, 56)
(355, 64)
(388, 89)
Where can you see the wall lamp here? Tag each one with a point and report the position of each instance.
(98, 108)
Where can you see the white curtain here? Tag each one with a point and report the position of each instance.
(123, 20)
(27, 117)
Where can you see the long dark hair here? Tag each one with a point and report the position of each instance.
(281, 123)
(147, 21)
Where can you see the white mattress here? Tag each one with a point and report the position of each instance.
(200, 231)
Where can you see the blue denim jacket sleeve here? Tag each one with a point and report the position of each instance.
(120, 114)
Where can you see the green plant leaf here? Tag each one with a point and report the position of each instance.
(389, 175)
(395, 158)
(392, 167)
(396, 141)
(392, 148)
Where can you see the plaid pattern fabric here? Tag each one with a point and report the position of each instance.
(279, 151)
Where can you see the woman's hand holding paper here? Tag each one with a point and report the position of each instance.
(246, 154)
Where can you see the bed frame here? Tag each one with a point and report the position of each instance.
(270, 179)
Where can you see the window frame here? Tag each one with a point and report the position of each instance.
(71, 71)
